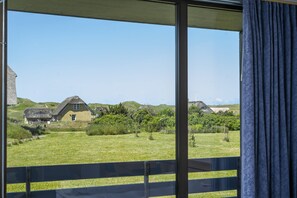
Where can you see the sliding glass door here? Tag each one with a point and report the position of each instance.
(214, 105)
(120, 98)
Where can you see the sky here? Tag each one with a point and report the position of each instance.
(111, 62)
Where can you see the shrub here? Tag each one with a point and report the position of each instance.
(111, 125)
(35, 130)
(195, 128)
(142, 116)
(154, 125)
(15, 131)
(166, 121)
(118, 109)
(192, 142)
(211, 120)
(167, 112)
(193, 109)
(104, 129)
(151, 136)
(67, 126)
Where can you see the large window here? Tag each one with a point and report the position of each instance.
(139, 66)
(214, 116)
(124, 74)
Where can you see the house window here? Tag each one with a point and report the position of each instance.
(73, 117)
(76, 106)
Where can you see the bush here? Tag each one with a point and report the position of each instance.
(195, 128)
(142, 116)
(118, 109)
(61, 126)
(151, 136)
(35, 130)
(211, 120)
(15, 131)
(154, 125)
(192, 141)
(167, 112)
(104, 129)
(111, 125)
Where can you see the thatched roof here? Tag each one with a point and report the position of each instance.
(69, 100)
(38, 113)
(202, 106)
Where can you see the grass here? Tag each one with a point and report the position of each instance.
(77, 148)
(68, 147)
(16, 132)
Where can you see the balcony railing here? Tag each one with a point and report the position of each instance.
(28, 175)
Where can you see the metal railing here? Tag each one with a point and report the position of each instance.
(28, 175)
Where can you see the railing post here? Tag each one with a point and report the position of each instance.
(146, 179)
(28, 182)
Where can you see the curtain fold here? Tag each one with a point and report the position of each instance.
(269, 100)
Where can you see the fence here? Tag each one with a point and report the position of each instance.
(28, 175)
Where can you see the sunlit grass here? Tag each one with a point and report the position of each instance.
(78, 148)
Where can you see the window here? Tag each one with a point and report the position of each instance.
(73, 117)
(214, 109)
(150, 66)
(76, 107)
(122, 103)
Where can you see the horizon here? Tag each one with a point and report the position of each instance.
(109, 61)
(99, 103)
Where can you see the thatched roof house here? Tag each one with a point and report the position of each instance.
(202, 106)
(33, 115)
(11, 87)
(73, 109)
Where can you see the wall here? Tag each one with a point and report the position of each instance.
(81, 115)
(11, 87)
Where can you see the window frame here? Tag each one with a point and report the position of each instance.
(76, 107)
(181, 85)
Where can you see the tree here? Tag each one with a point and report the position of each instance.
(142, 116)
(167, 112)
(118, 109)
(193, 109)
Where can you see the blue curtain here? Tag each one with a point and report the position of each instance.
(269, 100)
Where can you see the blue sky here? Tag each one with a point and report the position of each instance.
(111, 62)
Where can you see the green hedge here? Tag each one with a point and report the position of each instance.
(111, 125)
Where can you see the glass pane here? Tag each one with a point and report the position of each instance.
(214, 121)
(91, 107)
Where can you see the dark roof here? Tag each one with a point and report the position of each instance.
(201, 105)
(70, 100)
(38, 113)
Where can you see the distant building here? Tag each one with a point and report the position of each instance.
(201, 105)
(37, 115)
(11, 87)
(73, 109)
(218, 109)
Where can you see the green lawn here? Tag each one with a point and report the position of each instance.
(77, 148)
